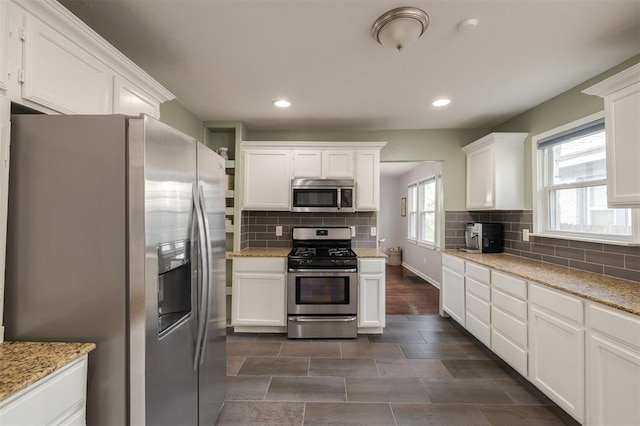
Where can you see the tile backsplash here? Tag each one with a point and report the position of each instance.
(259, 227)
(606, 259)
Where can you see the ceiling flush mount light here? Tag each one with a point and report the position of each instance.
(282, 103)
(441, 102)
(399, 27)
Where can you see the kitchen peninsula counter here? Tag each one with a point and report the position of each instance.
(24, 363)
(610, 291)
(283, 252)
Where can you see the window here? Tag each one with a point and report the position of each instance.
(572, 185)
(428, 211)
(412, 212)
(423, 211)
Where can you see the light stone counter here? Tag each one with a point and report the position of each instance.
(24, 363)
(283, 252)
(262, 252)
(610, 291)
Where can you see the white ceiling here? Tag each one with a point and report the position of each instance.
(229, 59)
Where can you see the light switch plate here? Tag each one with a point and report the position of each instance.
(525, 235)
(278, 231)
(374, 231)
(353, 231)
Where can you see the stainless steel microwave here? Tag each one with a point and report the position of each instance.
(323, 195)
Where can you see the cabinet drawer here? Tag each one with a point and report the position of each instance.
(514, 355)
(478, 289)
(510, 327)
(478, 273)
(615, 323)
(510, 304)
(479, 308)
(453, 263)
(259, 264)
(478, 328)
(509, 284)
(559, 303)
(49, 399)
(371, 266)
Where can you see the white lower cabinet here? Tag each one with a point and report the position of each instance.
(453, 292)
(259, 292)
(556, 348)
(613, 367)
(371, 295)
(57, 399)
(509, 335)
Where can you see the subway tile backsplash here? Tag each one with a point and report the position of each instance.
(606, 259)
(258, 228)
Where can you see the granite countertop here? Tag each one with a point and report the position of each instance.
(614, 292)
(283, 252)
(24, 363)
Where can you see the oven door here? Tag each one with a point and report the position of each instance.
(322, 292)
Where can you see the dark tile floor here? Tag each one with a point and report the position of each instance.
(424, 370)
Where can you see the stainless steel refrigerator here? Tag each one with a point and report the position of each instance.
(116, 236)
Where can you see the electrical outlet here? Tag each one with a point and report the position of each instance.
(374, 231)
(353, 231)
(525, 235)
(278, 231)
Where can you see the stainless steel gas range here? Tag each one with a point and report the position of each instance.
(322, 284)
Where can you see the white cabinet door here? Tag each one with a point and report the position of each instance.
(306, 163)
(453, 294)
(480, 173)
(371, 293)
(622, 116)
(613, 381)
(60, 75)
(556, 360)
(371, 304)
(4, 43)
(337, 164)
(5, 140)
(131, 100)
(368, 180)
(258, 299)
(621, 94)
(266, 179)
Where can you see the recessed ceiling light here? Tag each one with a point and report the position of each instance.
(441, 102)
(282, 103)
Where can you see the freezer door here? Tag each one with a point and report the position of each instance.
(162, 170)
(212, 368)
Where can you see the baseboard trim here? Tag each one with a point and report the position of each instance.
(421, 275)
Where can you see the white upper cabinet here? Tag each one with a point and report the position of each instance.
(306, 163)
(495, 172)
(322, 164)
(621, 95)
(337, 164)
(54, 63)
(60, 75)
(368, 180)
(3, 43)
(266, 179)
(131, 100)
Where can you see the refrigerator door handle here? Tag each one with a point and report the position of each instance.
(206, 285)
(202, 277)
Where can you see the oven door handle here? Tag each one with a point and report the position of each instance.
(316, 319)
(315, 271)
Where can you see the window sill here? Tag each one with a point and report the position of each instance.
(427, 245)
(587, 240)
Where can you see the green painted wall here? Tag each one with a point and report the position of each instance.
(180, 118)
(562, 109)
(402, 145)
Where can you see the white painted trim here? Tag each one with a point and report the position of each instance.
(421, 275)
(619, 81)
(314, 144)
